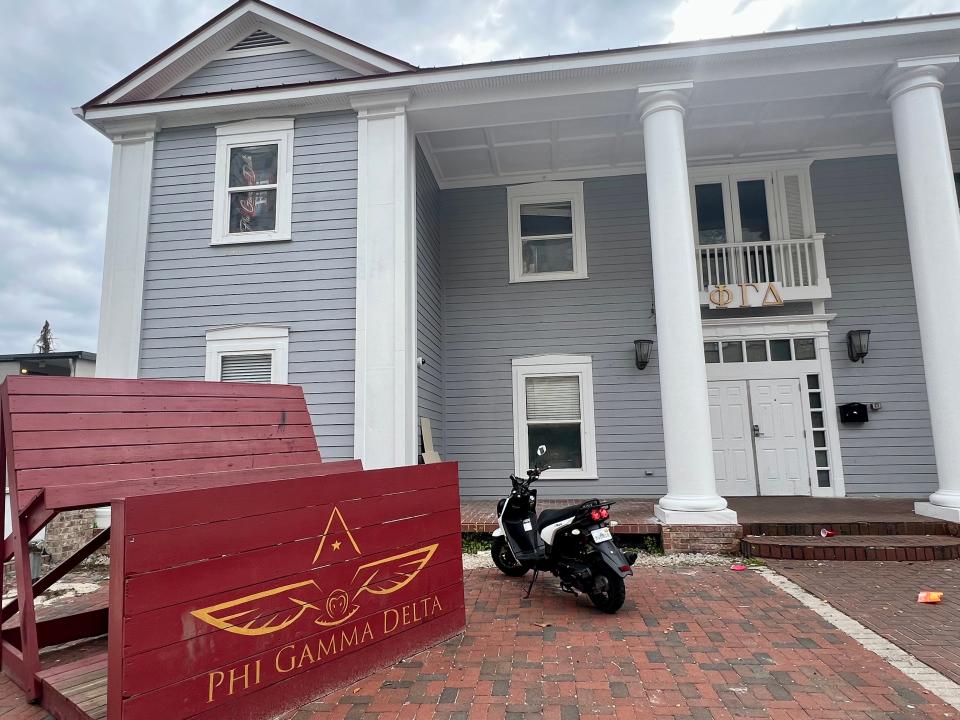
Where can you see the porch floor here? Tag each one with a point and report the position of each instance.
(757, 515)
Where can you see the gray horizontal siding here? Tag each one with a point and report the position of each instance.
(308, 284)
(238, 73)
(860, 209)
(429, 302)
(489, 322)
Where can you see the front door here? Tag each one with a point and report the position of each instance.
(779, 437)
(732, 445)
(759, 446)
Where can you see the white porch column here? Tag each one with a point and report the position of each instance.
(385, 380)
(933, 232)
(691, 482)
(125, 249)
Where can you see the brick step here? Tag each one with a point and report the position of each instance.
(867, 527)
(851, 547)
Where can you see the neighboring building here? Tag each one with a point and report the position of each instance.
(482, 245)
(62, 364)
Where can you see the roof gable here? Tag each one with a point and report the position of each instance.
(204, 61)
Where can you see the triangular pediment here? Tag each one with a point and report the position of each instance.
(250, 45)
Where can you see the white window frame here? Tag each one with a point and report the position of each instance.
(273, 131)
(552, 366)
(773, 176)
(547, 192)
(247, 340)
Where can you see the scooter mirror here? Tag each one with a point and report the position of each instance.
(542, 450)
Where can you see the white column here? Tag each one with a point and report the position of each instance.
(933, 232)
(385, 380)
(692, 496)
(125, 249)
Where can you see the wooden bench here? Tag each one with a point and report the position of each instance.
(73, 443)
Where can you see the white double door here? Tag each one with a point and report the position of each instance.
(759, 443)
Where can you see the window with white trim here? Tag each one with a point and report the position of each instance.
(247, 353)
(546, 232)
(253, 181)
(553, 406)
(738, 205)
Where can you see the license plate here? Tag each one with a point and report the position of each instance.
(601, 535)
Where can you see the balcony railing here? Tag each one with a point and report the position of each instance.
(797, 265)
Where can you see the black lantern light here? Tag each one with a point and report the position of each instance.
(643, 348)
(858, 344)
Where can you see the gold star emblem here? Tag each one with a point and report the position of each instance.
(336, 545)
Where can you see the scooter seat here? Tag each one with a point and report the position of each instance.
(549, 517)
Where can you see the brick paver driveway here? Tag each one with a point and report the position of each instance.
(692, 643)
(883, 596)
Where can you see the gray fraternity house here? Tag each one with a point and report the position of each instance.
(693, 270)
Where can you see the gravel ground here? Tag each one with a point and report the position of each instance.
(482, 559)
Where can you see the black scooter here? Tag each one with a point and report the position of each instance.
(574, 543)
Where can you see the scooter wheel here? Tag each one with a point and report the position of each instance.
(609, 591)
(504, 560)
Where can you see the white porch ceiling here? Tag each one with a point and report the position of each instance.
(734, 120)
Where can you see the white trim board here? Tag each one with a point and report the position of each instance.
(248, 339)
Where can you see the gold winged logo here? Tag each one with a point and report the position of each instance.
(276, 609)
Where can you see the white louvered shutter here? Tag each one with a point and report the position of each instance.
(796, 206)
(257, 368)
(553, 399)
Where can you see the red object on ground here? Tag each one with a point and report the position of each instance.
(824, 532)
(738, 567)
(217, 491)
(931, 598)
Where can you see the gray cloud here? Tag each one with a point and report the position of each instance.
(54, 171)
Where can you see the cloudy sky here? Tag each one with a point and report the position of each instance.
(54, 170)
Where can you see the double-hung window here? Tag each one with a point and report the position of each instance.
(546, 232)
(553, 406)
(247, 353)
(253, 181)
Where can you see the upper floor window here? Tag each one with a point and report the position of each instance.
(737, 206)
(547, 237)
(247, 353)
(253, 181)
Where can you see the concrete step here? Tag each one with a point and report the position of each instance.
(851, 547)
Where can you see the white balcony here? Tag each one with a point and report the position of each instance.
(797, 266)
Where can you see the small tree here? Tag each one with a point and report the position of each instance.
(44, 343)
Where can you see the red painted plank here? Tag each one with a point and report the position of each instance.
(84, 438)
(191, 657)
(166, 468)
(57, 673)
(299, 689)
(179, 509)
(173, 624)
(97, 494)
(120, 420)
(68, 628)
(175, 585)
(115, 621)
(186, 698)
(39, 385)
(159, 550)
(159, 451)
(132, 404)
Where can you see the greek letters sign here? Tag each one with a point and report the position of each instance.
(285, 590)
(744, 295)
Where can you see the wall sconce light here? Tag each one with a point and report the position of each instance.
(642, 348)
(858, 344)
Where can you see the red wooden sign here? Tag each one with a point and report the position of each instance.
(245, 601)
